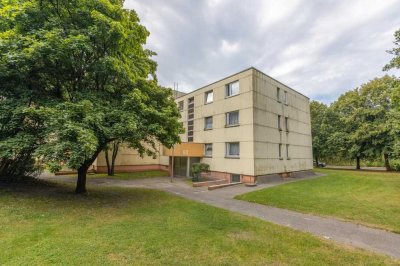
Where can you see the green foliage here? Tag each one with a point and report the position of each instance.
(395, 61)
(197, 169)
(74, 76)
(395, 164)
(362, 123)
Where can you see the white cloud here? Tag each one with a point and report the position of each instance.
(229, 48)
(320, 48)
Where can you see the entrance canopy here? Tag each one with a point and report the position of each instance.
(186, 149)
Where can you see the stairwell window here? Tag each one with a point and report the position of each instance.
(232, 118)
(208, 150)
(208, 123)
(232, 89)
(208, 97)
(280, 151)
(232, 150)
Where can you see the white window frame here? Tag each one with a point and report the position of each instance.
(205, 123)
(227, 150)
(205, 149)
(227, 118)
(229, 91)
(206, 97)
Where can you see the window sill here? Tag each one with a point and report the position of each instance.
(280, 158)
(208, 103)
(232, 157)
(206, 156)
(206, 129)
(226, 97)
(280, 129)
(236, 125)
(288, 158)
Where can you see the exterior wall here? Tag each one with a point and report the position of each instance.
(129, 160)
(267, 136)
(220, 134)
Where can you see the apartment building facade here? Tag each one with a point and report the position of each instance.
(247, 127)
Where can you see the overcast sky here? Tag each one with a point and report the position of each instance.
(320, 48)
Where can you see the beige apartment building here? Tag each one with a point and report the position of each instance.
(248, 127)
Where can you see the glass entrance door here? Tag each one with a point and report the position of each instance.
(180, 166)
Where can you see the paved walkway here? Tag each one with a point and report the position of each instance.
(329, 228)
(353, 167)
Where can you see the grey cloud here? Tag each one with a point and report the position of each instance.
(320, 48)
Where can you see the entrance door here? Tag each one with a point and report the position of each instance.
(180, 166)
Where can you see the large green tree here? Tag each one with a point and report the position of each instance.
(79, 73)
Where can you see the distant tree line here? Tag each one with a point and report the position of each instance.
(363, 123)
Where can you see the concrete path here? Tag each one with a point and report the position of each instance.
(363, 168)
(329, 228)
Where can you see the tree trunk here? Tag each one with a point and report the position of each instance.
(81, 182)
(358, 166)
(108, 162)
(114, 156)
(316, 161)
(82, 171)
(387, 164)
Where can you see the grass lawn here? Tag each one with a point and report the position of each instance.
(132, 175)
(368, 198)
(48, 224)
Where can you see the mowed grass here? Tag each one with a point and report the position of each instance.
(132, 175)
(368, 198)
(48, 224)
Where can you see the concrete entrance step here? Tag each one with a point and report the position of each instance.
(224, 185)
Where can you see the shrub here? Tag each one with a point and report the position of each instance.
(197, 169)
(395, 164)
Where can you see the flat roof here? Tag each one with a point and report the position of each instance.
(237, 74)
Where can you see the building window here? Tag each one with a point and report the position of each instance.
(232, 118)
(278, 94)
(180, 105)
(285, 97)
(287, 123)
(190, 119)
(208, 150)
(235, 178)
(232, 89)
(232, 149)
(208, 97)
(280, 151)
(287, 151)
(208, 123)
(279, 122)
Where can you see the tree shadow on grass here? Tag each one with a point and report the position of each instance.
(63, 195)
